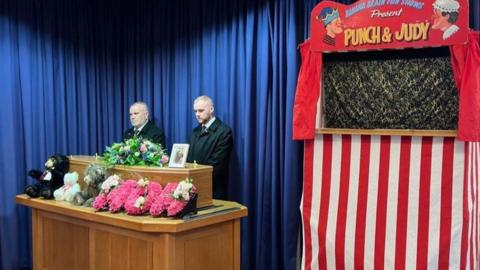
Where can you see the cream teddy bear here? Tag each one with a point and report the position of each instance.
(69, 189)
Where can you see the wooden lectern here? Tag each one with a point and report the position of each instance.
(76, 237)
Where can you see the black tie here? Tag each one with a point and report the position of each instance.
(136, 132)
(204, 129)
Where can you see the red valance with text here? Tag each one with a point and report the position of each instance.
(383, 24)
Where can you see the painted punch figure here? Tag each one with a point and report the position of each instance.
(333, 24)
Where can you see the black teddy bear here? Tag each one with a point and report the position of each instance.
(50, 179)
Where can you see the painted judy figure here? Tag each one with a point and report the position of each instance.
(445, 14)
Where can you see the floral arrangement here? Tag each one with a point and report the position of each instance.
(184, 194)
(135, 151)
(100, 202)
(118, 197)
(175, 198)
(146, 197)
(184, 190)
(141, 197)
(162, 202)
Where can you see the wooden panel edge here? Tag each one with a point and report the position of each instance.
(389, 132)
(37, 239)
(85, 160)
(213, 219)
(236, 245)
(121, 220)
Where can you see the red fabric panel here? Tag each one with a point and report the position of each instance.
(466, 69)
(446, 204)
(424, 202)
(382, 202)
(307, 93)
(342, 202)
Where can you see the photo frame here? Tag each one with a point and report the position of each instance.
(178, 156)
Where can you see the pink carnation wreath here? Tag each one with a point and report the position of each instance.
(117, 197)
(100, 202)
(140, 199)
(174, 198)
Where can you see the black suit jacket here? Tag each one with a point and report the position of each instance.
(213, 148)
(149, 132)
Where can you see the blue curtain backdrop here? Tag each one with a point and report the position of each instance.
(70, 69)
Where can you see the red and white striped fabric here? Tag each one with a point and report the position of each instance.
(390, 202)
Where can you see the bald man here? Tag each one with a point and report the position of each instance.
(210, 144)
(142, 126)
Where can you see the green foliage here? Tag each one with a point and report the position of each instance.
(135, 151)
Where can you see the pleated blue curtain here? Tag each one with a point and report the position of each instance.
(70, 69)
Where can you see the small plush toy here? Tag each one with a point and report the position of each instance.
(94, 177)
(48, 180)
(69, 189)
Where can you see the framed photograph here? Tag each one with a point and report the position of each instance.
(178, 157)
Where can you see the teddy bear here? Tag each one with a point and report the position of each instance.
(94, 177)
(50, 179)
(69, 189)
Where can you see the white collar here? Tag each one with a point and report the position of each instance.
(450, 31)
(140, 128)
(210, 122)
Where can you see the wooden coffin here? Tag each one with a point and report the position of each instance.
(201, 175)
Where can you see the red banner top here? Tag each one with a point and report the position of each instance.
(383, 24)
